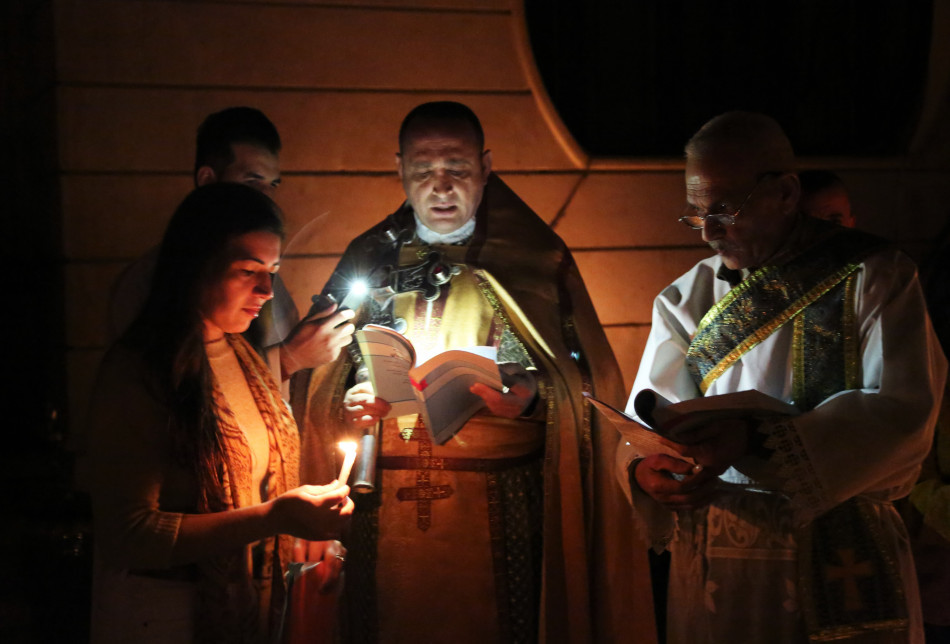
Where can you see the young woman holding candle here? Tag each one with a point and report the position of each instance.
(194, 455)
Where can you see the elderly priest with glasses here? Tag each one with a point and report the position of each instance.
(780, 525)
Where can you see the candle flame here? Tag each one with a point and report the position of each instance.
(349, 449)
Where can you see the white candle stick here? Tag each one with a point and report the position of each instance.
(349, 450)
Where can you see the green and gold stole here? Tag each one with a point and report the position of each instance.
(849, 583)
(815, 292)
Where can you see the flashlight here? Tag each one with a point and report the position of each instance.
(365, 469)
(355, 296)
(363, 480)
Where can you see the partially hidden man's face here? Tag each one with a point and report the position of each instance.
(253, 166)
(443, 172)
(762, 224)
(831, 204)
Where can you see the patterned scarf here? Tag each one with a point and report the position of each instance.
(235, 604)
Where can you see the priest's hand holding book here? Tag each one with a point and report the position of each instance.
(691, 482)
(361, 407)
(676, 483)
(446, 388)
(517, 396)
(682, 448)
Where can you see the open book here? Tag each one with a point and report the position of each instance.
(671, 421)
(438, 388)
(674, 419)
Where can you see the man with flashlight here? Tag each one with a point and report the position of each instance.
(512, 530)
(241, 145)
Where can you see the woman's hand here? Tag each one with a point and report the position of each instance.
(313, 512)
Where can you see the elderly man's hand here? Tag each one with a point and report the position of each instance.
(677, 484)
(718, 445)
(316, 340)
(361, 407)
(522, 389)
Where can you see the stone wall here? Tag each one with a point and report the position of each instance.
(134, 78)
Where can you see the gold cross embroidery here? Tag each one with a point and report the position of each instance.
(424, 493)
(848, 573)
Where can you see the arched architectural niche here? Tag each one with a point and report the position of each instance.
(134, 78)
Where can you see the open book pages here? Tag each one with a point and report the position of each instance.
(671, 421)
(438, 388)
(674, 419)
(644, 439)
(388, 356)
(442, 386)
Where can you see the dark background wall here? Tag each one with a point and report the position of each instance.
(638, 78)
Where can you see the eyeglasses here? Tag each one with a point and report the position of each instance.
(696, 220)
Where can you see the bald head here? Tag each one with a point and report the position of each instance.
(755, 142)
(443, 164)
(445, 115)
(740, 167)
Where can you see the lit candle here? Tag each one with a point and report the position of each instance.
(349, 451)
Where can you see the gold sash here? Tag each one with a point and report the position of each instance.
(816, 290)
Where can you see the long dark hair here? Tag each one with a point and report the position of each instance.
(168, 333)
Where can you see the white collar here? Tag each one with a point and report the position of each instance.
(430, 236)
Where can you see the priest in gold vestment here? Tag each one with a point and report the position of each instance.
(514, 529)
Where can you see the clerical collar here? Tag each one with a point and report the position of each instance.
(730, 275)
(430, 236)
(804, 232)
